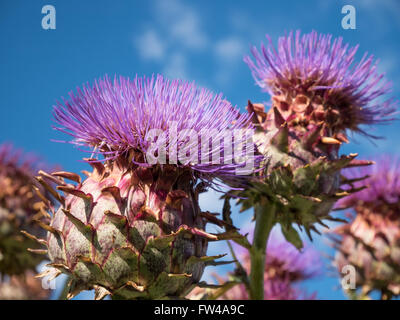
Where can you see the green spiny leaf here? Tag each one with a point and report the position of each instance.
(292, 236)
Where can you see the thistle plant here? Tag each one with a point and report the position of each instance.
(318, 95)
(20, 206)
(133, 229)
(370, 242)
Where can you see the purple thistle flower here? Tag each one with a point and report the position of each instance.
(17, 160)
(292, 263)
(318, 65)
(115, 117)
(381, 183)
(276, 289)
(17, 177)
(285, 267)
(284, 260)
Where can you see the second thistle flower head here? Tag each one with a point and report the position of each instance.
(319, 77)
(319, 92)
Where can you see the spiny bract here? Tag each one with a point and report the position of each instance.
(317, 95)
(134, 229)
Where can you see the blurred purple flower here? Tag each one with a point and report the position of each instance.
(274, 289)
(285, 267)
(284, 260)
(292, 263)
(382, 183)
(19, 207)
(14, 159)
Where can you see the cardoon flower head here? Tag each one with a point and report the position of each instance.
(371, 241)
(318, 93)
(133, 228)
(19, 207)
(319, 78)
(123, 117)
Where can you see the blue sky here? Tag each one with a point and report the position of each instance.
(202, 41)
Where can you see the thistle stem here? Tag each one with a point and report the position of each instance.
(265, 220)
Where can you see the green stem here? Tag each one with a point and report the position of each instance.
(265, 219)
(241, 272)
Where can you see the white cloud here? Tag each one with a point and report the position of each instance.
(176, 66)
(390, 5)
(188, 32)
(389, 64)
(380, 12)
(230, 49)
(229, 52)
(181, 23)
(150, 46)
(179, 33)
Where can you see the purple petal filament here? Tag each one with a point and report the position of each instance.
(113, 117)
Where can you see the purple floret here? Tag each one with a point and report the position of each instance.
(11, 157)
(285, 268)
(292, 265)
(113, 118)
(276, 289)
(382, 183)
(305, 263)
(318, 63)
